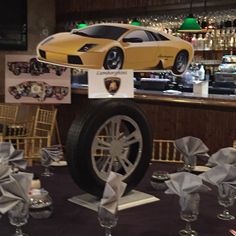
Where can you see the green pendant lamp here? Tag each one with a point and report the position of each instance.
(81, 24)
(190, 23)
(136, 22)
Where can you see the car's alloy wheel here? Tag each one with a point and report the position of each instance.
(113, 135)
(114, 59)
(181, 62)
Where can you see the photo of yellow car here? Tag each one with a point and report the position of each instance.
(116, 46)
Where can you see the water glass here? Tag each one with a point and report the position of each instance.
(189, 213)
(107, 219)
(190, 163)
(46, 162)
(18, 216)
(226, 199)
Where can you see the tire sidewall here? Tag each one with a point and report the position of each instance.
(117, 49)
(175, 71)
(81, 136)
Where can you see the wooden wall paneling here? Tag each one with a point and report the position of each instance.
(216, 126)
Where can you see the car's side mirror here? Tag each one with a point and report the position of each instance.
(132, 40)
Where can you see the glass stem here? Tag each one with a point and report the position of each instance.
(18, 231)
(107, 231)
(226, 211)
(188, 227)
(47, 171)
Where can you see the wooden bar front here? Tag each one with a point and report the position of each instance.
(212, 119)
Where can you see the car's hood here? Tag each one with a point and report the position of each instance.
(71, 43)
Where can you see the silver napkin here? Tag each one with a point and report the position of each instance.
(223, 156)
(13, 156)
(14, 189)
(185, 184)
(5, 170)
(54, 153)
(113, 191)
(191, 147)
(223, 176)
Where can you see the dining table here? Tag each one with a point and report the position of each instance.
(159, 218)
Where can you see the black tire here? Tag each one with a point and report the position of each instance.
(181, 63)
(114, 59)
(81, 140)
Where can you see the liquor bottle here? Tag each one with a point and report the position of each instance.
(194, 41)
(200, 42)
(201, 73)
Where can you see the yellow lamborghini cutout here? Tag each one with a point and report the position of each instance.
(116, 46)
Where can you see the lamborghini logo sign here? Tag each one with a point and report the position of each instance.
(112, 84)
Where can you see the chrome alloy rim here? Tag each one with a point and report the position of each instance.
(181, 62)
(114, 59)
(111, 147)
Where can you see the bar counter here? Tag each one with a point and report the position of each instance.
(211, 118)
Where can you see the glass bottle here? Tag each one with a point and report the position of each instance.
(200, 43)
(194, 41)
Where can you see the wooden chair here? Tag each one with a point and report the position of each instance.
(38, 134)
(8, 114)
(165, 151)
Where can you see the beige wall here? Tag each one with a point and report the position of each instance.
(41, 20)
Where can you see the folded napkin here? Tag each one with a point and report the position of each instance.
(191, 147)
(5, 170)
(223, 176)
(14, 190)
(186, 186)
(54, 153)
(113, 191)
(13, 156)
(223, 156)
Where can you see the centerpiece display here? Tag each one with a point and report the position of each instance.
(113, 134)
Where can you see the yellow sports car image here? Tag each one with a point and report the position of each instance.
(116, 46)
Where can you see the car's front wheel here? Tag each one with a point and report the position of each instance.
(181, 63)
(114, 59)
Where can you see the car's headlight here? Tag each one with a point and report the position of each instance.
(87, 47)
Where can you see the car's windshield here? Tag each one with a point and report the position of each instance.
(101, 31)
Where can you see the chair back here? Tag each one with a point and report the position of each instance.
(8, 113)
(44, 123)
(165, 151)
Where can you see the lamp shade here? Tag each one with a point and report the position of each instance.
(81, 24)
(190, 25)
(136, 22)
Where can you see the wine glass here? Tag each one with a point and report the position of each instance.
(18, 216)
(190, 163)
(189, 213)
(226, 199)
(46, 162)
(107, 219)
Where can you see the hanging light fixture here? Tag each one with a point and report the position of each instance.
(190, 23)
(136, 22)
(81, 24)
